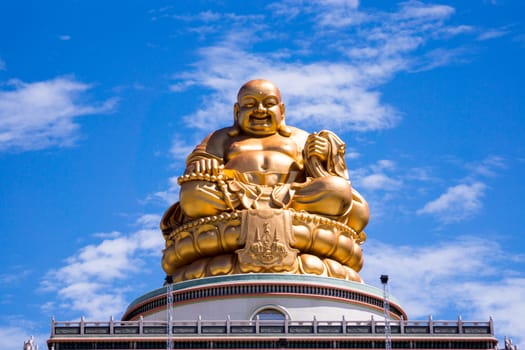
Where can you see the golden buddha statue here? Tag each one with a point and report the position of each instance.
(261, 196)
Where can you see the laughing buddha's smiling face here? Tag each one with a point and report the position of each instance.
(259, 110)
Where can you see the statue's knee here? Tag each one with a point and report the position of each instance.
(340, 191)
(339, 185)
(193, 201)
(325, 195)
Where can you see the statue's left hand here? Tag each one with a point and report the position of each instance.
(317, 146)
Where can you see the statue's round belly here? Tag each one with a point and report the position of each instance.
(264, 167)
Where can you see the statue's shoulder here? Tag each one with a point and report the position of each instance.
(297, 131)
(220, 135)
(216, 141)
(299, 135)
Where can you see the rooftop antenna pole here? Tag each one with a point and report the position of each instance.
(169, 313)
(386, 304)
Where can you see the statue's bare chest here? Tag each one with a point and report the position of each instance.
(264, 146)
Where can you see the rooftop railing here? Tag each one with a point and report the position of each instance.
(199, 327)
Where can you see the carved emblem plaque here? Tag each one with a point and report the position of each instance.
(266, 235)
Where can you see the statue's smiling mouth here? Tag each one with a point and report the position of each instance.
(264, 120)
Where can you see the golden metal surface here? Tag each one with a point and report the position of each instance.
(261, 196)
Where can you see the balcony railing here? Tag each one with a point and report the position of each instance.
(143, 328)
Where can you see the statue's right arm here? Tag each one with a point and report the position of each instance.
(207, 157)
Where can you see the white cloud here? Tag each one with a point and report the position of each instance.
(315, 90)
(502, 299)
(90, 281)
(379, 182)
(64, 37)
(465, 275)
(460, 29)
(438, 58)
(340, 14)
(150, 221)
(417, 10)
(421, 174)
(2, 64)
(424, 268)
(492, 34)
(16, 274)
(457, 203)
(215, 17)
(382, 185)
(42, 114)
(180, 147)
(107, 235)
(351, 155)
(376, 177)
(168, 196)
(383, 164)
(487, 167)
(391, 187)
(391, 35)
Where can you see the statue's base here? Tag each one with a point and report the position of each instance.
(262, 241)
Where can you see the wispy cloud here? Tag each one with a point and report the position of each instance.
(216, 17)
(180, 147)
(493, 34)
(502, 299)
(15, 274)
(488, 167)
(2, 64)
(379, 181)
(463, 200)
(398, 187)
(372, 46)
(466, 274)
(42, 114)
(440, 57)
(457, 203)
(92, 281)
(168, 196)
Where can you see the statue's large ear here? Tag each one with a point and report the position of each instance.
(284, 130)
(236, 108)
(235, 129)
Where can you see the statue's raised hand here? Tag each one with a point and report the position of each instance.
(317, 146)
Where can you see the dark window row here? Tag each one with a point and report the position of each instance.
(280, 343)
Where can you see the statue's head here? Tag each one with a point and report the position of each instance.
(259, 110)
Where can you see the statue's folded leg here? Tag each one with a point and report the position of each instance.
(202, 198)
(328, 195)
(359, 214)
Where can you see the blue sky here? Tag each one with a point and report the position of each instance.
(100, 102)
